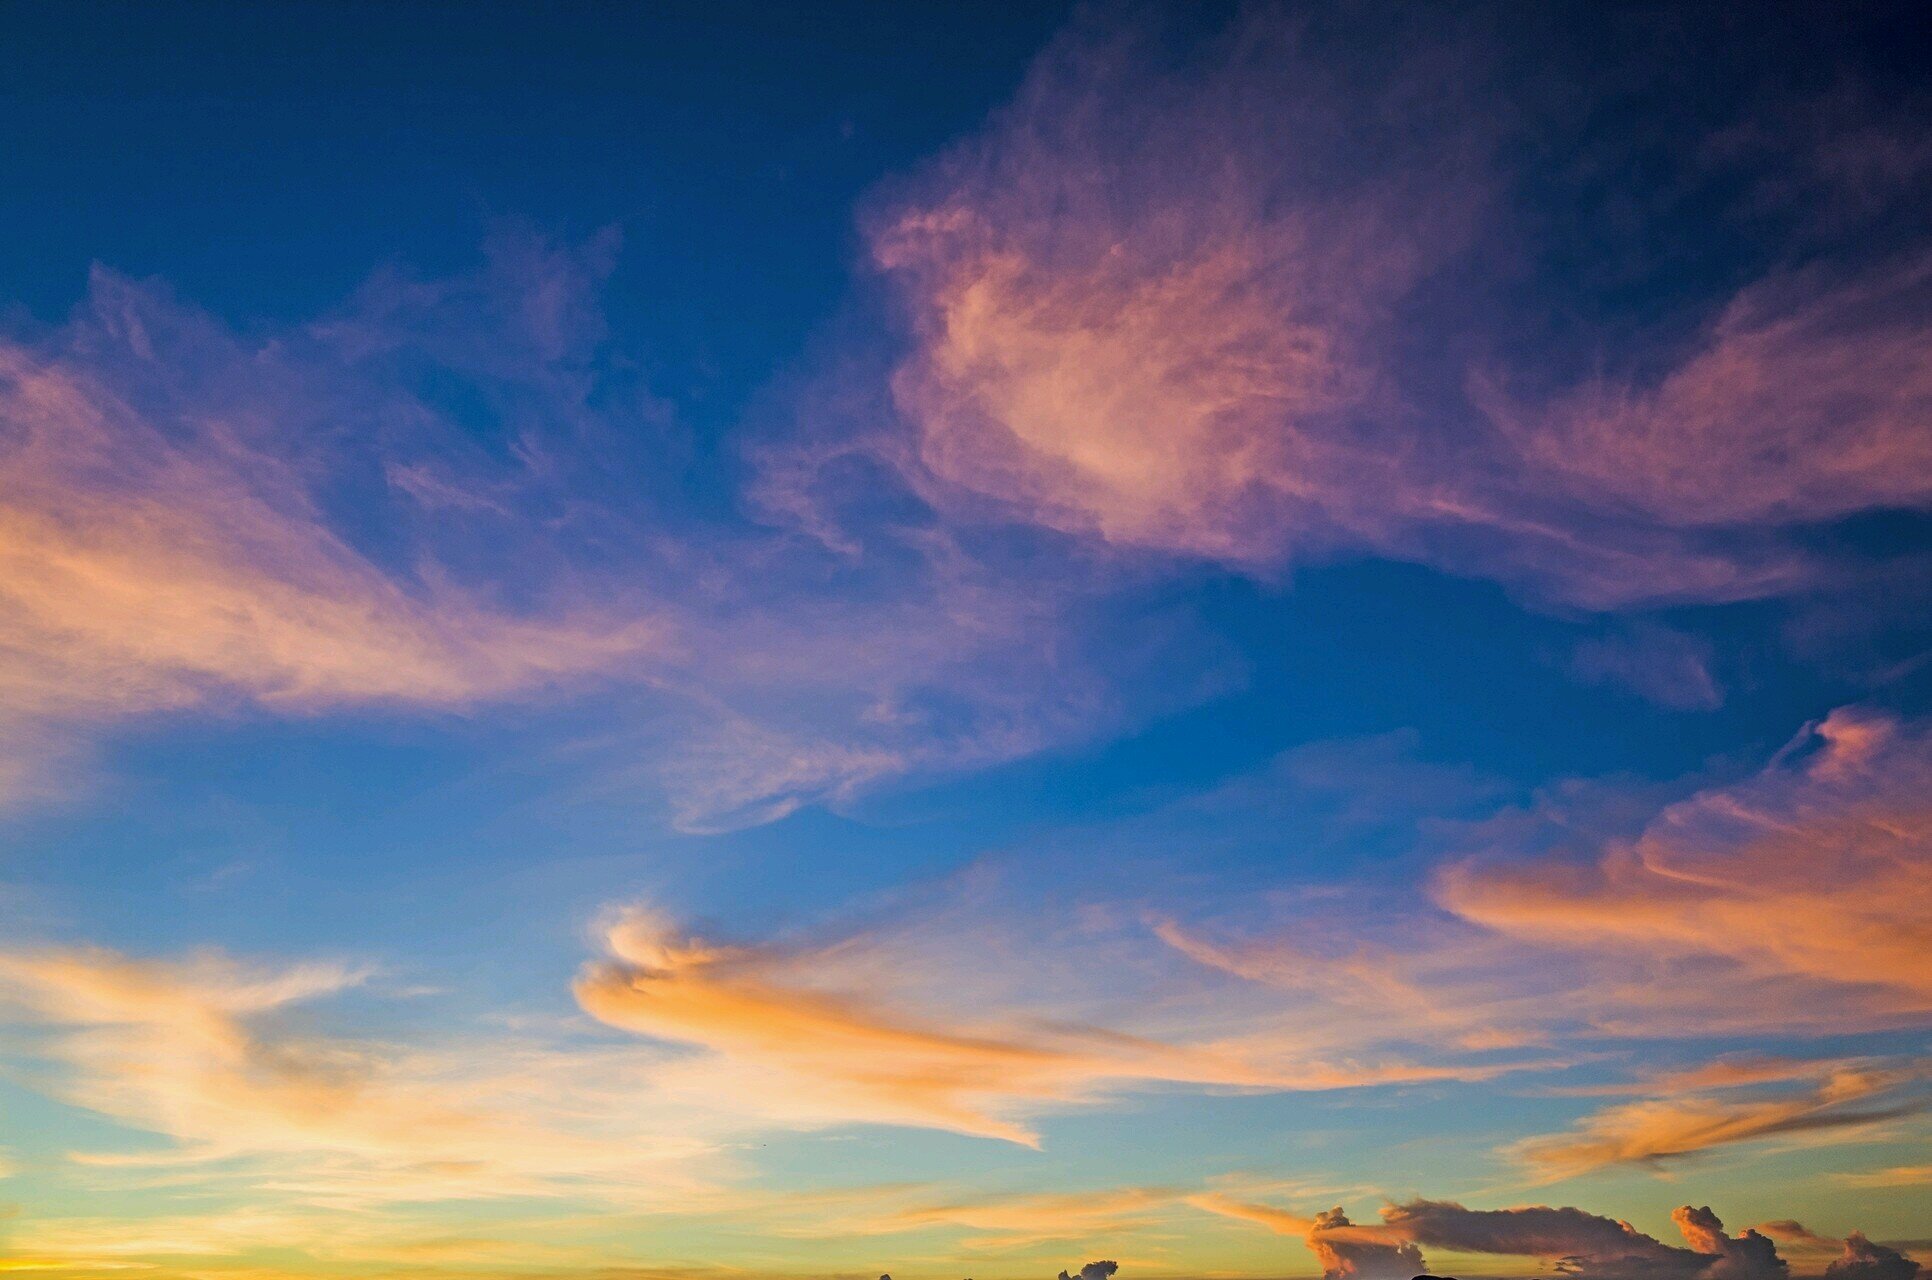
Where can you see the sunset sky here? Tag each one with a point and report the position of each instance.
(717, 641)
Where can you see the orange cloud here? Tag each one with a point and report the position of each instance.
(1014, 1221)
(775, 1036)
(1280, 1221)
(1344, 1249)
(1796, 900)
(1816, 874)
(1724, 1073)
(210, 1054)
(1665, 1128)
(1904, 1175)
(1446, 994)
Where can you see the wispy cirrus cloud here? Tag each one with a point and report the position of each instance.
(449, 492)
(1793, 898)
(186, 521)
(1122, 334)
(1667, 667)
(211, 1058)
(1374, 988)
(799, 1036)
(1812, 873)
(1680, 1123)
(1118, 335)
(1790, 901)
(1113, 357)
(1804, 400)
(1905, 1175)
(1018, 1220)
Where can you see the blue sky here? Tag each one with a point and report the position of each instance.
(955, 639)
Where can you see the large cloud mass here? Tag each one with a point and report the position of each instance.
(1121, 334)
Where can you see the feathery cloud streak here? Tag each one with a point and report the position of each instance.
(778, 1037)
(212, 1056)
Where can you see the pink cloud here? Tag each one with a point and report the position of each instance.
(1124, 335)
(1805, 399)
(1154, 346)
(170, 538)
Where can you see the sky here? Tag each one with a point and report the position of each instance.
(706, 642)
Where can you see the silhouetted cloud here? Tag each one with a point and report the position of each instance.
(1863, 1260)
(1570, 1240)
(1582, 1243)
(1094, 1271)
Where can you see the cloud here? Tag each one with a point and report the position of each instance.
(1125, 337)
(1793, 900)
(1117, 354)
(1863, 1260)
(1856, 1257)
(1094, 1271)
(1805, 878)
(1804, 401)
(1661, 1129)
(1813, 874)
(1724, 1073)
(1667, 667)
(1342, 1248)
(1907, 1175)
(214, 1056)
(1280, 1221)
(1571, 1240)
(1751, 1256)
(1583, 1244)
(1345, 1250)
(779, 1034)
(1019, 1220)
(1119, 333)
(449, 492)
(173, 535)
(1114, 354)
